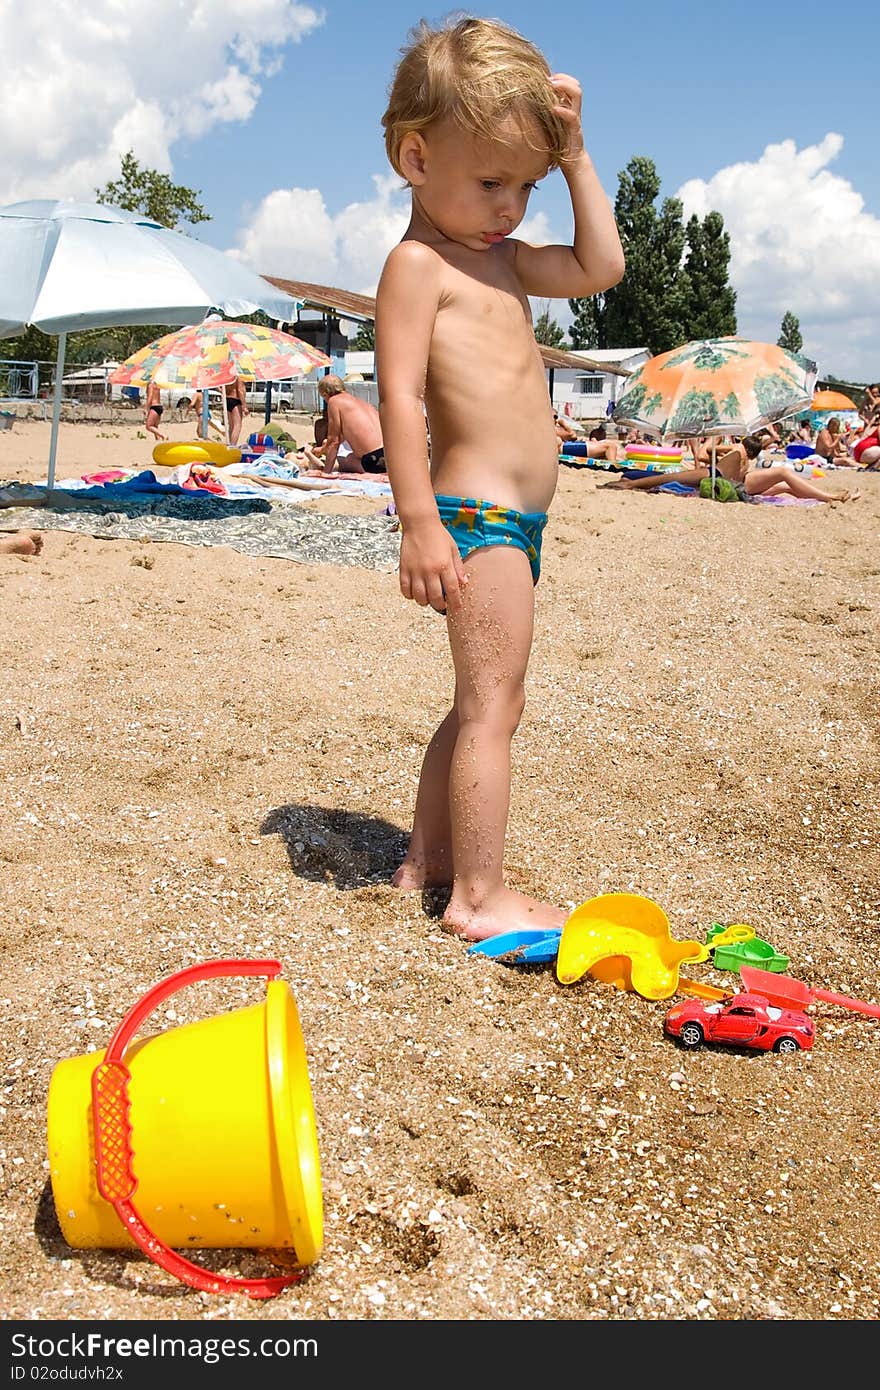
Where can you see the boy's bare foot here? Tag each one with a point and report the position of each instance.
(22, 543)
(412, 875)
(508, 911)
(424, 866)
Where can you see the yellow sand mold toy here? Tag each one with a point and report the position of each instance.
(624, 940)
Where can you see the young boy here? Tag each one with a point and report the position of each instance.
(474, 120)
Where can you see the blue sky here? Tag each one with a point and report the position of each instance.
(272, 109)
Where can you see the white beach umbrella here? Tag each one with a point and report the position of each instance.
(66, 266)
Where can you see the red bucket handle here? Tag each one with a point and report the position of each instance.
(111, 1107)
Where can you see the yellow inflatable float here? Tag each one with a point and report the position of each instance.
(170, 454)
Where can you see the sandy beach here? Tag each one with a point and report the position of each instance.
(211, 754)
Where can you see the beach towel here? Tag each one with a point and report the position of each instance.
(138, 482)
(681, 489)
(789, 501)
(201, 477)
(267, 465)
(109, 475)
(608, 465)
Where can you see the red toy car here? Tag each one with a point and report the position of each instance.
(746, 1020)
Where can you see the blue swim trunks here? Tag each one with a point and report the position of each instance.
(473, 525)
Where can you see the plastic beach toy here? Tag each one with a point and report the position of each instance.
(719, 935)
(696, 989)
(520, 947)
(624, 940)
(174, 452)
(786, 992)
(739, 944)
(199, 1137)
(653, 458)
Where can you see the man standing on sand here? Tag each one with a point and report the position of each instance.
(355, 422)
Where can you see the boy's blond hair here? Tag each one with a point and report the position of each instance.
(477, 72)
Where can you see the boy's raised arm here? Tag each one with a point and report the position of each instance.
(431, 570)
(594, 262)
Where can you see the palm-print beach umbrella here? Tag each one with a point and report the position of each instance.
(215, 353)
(719, 386)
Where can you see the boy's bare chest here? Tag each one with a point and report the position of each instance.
(493, 302)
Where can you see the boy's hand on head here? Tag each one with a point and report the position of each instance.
(431, 569)
(568, 90)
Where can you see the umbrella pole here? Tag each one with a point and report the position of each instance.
(56, 407)
(712, 469)
(225, 414)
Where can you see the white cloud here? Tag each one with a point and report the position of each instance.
(802, 241)
(86, 83)
(292, 234)
(536, 230)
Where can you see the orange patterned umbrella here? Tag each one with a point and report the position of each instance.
(215, 352)
(720, 386)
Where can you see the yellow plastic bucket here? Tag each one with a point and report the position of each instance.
(223, 1142)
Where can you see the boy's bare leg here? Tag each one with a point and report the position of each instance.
(428, 862)
(491, 638)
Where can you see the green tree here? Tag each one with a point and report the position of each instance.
(708, 302)
(547, 330)
(588, 322)
(153, 194)
(675, 286)
(790, 336)
(365, 338)
(646, 307)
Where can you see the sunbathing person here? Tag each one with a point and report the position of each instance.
(701, 449)
(564, 431)
(595, 446)
(599, 446)
(742, 464)
(830, 444)
(22, 543)
(866, 450)
(314, 455)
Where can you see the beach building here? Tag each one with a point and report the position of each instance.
(571, 376)
(582, 385)
(91, 385)
(590, 391)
